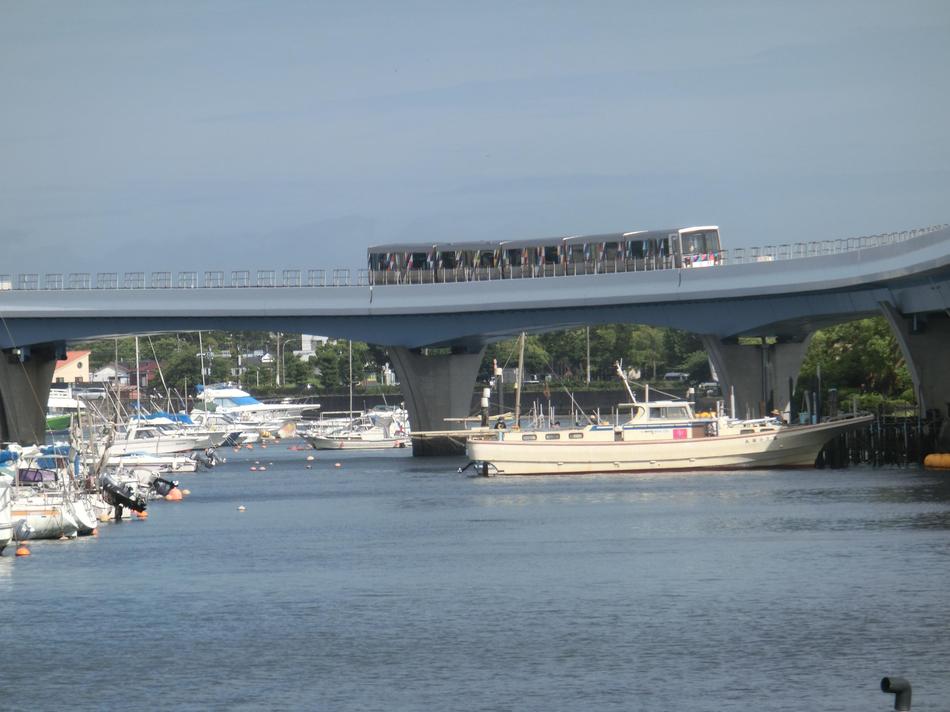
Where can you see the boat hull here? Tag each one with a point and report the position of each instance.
(327, 443)
(787, 447)
(42, 521)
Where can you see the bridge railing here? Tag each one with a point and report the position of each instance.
(316, 278)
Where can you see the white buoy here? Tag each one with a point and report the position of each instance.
(241, 507)
(310, 458)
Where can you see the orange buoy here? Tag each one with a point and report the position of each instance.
(175, 495)
(142, 515)
(95, 532)
(23, 551)
(938, 460)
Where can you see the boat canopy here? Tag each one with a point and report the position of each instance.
(35, 475)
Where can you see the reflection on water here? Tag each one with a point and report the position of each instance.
(397, 584)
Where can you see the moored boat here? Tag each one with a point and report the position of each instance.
(655, 436)
(368, 432)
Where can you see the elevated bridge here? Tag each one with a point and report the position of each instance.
(783, 292)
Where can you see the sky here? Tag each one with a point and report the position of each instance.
(202, 135)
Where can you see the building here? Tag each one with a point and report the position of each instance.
(73, 369)
(308, 346)
(112, 373)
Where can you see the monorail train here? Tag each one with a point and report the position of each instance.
(402, 263)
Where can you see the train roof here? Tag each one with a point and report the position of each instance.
(486, 245)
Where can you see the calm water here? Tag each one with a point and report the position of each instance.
(397, 584)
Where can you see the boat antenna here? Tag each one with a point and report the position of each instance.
(626, 383)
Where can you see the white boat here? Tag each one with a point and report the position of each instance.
(654, 436)
(245, 409)
(367, 432)
(40, 506)
(152, 440)
(657, 436)
(160, 463)
(236, 433)
(45, 500)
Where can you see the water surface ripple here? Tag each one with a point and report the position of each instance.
(397, 584)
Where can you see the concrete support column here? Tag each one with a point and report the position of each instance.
(925, 343)
(25, 377)
(436, 387)
(759, 373)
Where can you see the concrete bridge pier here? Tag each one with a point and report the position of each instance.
(434, 388)
(25, 377)
(759, 373)
(924, 340)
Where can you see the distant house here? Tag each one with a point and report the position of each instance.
(148, 372)
(112, 373)
(73, 369)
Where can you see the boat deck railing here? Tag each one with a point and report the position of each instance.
(318, 278)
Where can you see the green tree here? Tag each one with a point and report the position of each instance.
(859, 356)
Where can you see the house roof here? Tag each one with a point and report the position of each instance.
(72, 356)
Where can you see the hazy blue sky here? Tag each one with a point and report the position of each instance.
(192, 135)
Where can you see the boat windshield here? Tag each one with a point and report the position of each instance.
(669, 413)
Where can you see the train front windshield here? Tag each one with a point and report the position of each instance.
(700, 242)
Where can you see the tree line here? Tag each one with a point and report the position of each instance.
(857, 357)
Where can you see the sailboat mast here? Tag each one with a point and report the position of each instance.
(519, 381)
(201, 355)
(351, 376)
(138, 381)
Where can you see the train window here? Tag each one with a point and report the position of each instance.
(419, 260)
(513, 257)
(551, 255)
(448, 260)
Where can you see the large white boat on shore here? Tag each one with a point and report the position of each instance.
(655, 436)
